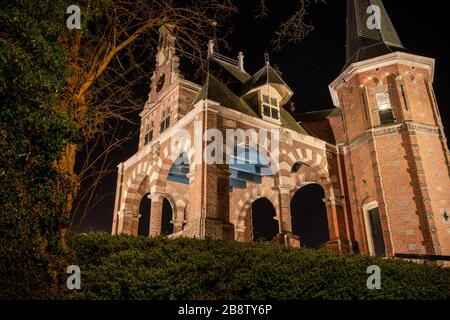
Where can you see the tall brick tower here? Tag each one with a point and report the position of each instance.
(392, 140)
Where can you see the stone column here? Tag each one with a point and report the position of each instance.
(156, 209)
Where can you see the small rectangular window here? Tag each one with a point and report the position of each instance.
(404, 97)
(376, 230)
(365, 105)
(165, 120)
(266, 99)
(385, 108)
(266, 110)
(387, 116)
(148, 137)
(273, 102)
(275, 113)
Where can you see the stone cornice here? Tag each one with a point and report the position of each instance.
(388, 130)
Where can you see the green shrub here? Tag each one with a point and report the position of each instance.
(122, 267)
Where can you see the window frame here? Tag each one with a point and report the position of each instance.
(367, 208)
(385, 113)
(165, 120)
(271, 104)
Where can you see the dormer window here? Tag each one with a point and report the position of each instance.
(165, 120)
(269, 107)
(384, 106)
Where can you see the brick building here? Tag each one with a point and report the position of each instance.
(380, 156)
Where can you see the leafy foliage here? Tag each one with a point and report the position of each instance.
(122, 267)
(33, 133)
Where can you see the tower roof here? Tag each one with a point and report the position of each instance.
(364, 43)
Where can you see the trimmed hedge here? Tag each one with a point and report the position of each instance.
(122, 267)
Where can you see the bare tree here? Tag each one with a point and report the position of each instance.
(111, 56)
(292, 30)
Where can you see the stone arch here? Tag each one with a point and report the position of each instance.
(263, 220)
(319, 173)
(313, 159)
(244, 207)
(173, 207)
(147, 177)
(179, 206)
(129, 208)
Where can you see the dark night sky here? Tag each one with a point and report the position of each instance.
(309, 67)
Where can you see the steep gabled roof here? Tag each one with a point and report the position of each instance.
(263, 76)
(242, 76)
(217, 91)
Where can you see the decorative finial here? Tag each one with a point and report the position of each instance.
(266, 58)
(292, 106)
(210, 47)
(241, 61)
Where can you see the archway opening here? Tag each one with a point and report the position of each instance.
(144, 220)
(309, 216)
(265, 227)
(167, 216)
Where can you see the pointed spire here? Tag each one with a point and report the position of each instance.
(370, 32)
(266, 58)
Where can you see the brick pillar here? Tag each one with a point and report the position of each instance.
(286, 236)
(285, 208)
(129, 222)
(337, 225)
(178, 224)
(135, 224)
(156, 209)
(217, 205)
